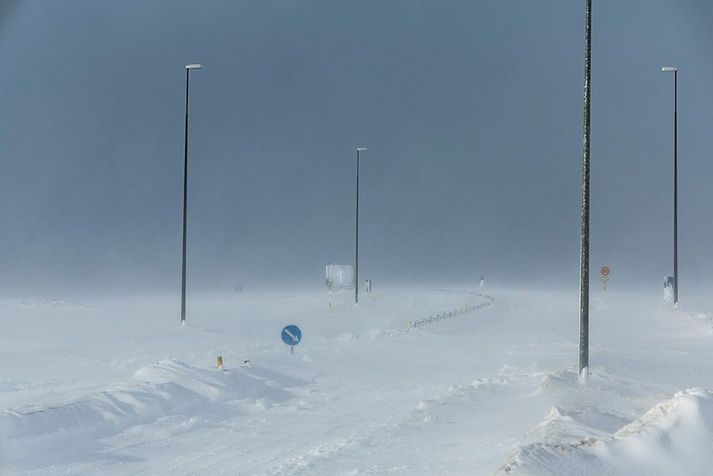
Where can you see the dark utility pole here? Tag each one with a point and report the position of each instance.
(674, 70)
(584, 244)
(356, 240)
(675, 188)
(189, 67)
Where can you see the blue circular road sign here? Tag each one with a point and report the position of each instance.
(291, 335)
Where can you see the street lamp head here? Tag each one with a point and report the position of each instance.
(361, 149)
(194, 66)
(669, 69)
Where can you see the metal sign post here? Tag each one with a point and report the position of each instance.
(605, 277)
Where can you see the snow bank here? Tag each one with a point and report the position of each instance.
(674, 437)
(163, 389)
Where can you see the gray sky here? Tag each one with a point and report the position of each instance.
(471, 111)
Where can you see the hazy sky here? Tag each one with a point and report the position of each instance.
(471, 111)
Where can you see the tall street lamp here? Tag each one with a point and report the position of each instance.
(584, 238)
(189, 68)
(359, 150)
(674, 70)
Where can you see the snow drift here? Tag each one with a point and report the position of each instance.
(673, 437)
(166, 388)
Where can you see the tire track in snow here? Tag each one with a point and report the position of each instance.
(358, 420)
(294, 451)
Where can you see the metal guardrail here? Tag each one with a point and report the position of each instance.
(468, 308)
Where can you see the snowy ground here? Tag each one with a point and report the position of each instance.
(118, 387)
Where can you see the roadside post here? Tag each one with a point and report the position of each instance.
(668, 284)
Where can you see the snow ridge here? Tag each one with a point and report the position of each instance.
(166, 388)
(674, 437)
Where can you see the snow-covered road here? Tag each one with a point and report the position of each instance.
(124, 390)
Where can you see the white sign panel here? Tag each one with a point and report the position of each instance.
(340, 276)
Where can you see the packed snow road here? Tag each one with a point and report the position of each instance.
(115, 387)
